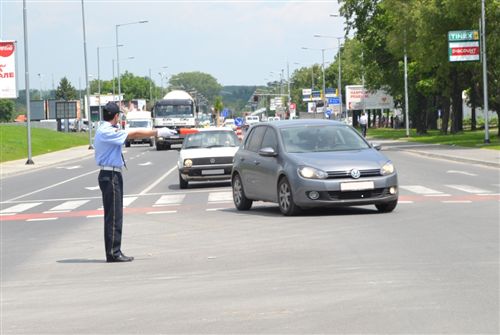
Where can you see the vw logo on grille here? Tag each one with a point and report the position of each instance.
(355, 173)
(212, 160)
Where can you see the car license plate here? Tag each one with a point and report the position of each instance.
(357, 186)
(212, 172)
(174, 136)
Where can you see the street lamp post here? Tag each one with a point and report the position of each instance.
(151, 84)
(322, 66)
(87, 106)
(113, 61)
(99, 79)
(339, 81)
(40, 79)
(118, 56)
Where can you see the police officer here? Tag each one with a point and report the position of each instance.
(108, 143)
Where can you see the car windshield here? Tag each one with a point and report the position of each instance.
(138, 124)
(210, 139)
(173, 111)
(321, 138)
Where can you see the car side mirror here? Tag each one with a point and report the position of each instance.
(268, 152)
(376, 146)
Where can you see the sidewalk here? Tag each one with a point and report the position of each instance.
(19, 166)
(485, 157)
(466, 155)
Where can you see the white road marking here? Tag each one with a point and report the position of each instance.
(128, 200)
(456, 201)
(170, 199)
(69, 167)
(161, 212)
(468, 189)
(42, 219)
(69, 205)
(150, 187)
(145, 164)
(95, 216)
(220, 196)
(462, 172)
(20, 207)
(92, 188)
(420, 189)
(54, 185)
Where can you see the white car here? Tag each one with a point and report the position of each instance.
(207, 155)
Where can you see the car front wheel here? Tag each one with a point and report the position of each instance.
(285, 198)
(182, 183)
(241, 202)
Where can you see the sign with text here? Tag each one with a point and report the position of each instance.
(358, 98)
(8, 81)
(464, 51)
(66, 110)
(463, 46)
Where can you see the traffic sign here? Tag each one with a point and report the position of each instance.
(238, 122)
(334, 101)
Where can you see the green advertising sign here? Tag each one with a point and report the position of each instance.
(463, 35)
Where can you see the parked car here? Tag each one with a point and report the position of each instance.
(309, 163)
(207, 155)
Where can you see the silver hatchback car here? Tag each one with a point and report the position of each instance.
(309, 163)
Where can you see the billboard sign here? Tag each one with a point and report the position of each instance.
(358, 98)
(463, 46)
(8, 80)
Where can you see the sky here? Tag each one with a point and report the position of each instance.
(237, 42)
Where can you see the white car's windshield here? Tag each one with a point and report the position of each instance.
(210, 139)
(322, 138)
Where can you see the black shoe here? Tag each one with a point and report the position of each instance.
(120, 258)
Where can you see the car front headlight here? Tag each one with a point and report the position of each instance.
(388, 168)
(188, 163)
(312, 173)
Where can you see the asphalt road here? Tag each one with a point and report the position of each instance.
(431, 266)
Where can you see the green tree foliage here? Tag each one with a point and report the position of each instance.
(386, 28)
(203, 83)
(65, 91)
(6, 109)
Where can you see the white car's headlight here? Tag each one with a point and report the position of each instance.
(388, 168)
(188, 163)
(312, 173)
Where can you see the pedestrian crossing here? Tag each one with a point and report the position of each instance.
(210, 201)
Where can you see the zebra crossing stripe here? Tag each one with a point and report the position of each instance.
(169, 199)
(68, 206)
(420, 189)
(468, 189)
(220, 196)
(19, 208)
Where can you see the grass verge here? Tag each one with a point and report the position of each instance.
(471, 139)
(14, 141)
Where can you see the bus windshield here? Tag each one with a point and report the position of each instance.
(173, 111)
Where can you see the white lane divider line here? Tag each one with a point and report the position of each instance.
(456, 201)
(20, 207)
(42, 219)
(161, 212)
(128, 200)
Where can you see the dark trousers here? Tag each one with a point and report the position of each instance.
(111, 185)
(363, 129)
